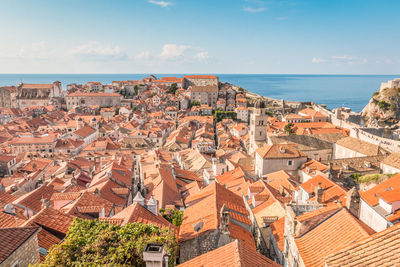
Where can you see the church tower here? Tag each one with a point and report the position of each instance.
(258, 126)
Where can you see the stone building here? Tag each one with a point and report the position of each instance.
(200, 80)
(242, 114)
(274, 158)
(7, 96)
(8, 165)
(83, 99)
(35, 146)
(19, 246)
(350, 147)
(33, 95)
(215, 216)
(206, 95)
(258, 127)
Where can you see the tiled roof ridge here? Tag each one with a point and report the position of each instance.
(322, 222)
(360, 245)
(34, 229)
(238, 251)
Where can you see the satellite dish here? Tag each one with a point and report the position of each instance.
(198, 226)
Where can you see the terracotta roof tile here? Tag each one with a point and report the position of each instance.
(280, 151)
(339, 230)
(380, 249)
(85, 131)
(94, 94)
(278, 230)
(138, 213)
(33, 199)
(371, 195)
(8, 220)
(207, 209)
(52, 219)
(12, 238)
(360, 146)
(235, 254)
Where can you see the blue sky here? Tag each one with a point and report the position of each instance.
(200, 36)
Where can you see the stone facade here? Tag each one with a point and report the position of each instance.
(203, 244)
(33, 95)
(206, 95)
(80, 99)
(34, 146)
(26, 254)
(7, 97)
(265, 166)
(200, 80)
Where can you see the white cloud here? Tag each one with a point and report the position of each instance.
(350, 60)
(202, 56)
(39, 50)
(145, 55)
(98, 52)
(317, 60)
(36, 51)
(339, 60)
(254, 9)
(160, 3)
(173, 51)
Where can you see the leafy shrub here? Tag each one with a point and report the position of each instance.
(221, 115)
(383, 105)
(289, 128)
(174, 216)
(95, 243)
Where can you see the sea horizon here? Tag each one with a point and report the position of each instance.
(334, 90)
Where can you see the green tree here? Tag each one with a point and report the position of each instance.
(221, 115)
(289, 128)
(172, 89)
(174, 216)
(195, 103)
(383, 105)
(136, 89)
(95, 243)
(117, 111)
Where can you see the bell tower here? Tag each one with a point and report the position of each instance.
(258, 126)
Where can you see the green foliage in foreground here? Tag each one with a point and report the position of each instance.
(369, 177)
(383, 105)
(289, 129)
(95, 243)
(195, 103)
(173, 216)
(221, 115)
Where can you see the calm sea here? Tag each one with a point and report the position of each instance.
(352, 91)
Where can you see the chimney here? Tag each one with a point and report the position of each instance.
(139, 199)
(155, 255)
(330, 170)
(297, 227)
(45, 203)
(97, 192)
(152, 205)
(318, 193)
(9, 208)
(353, 201)
(224, 220)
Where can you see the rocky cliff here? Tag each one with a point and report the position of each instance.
(384, 107)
